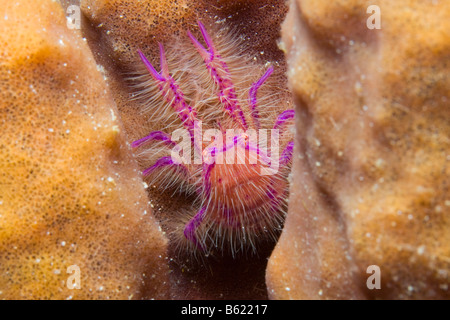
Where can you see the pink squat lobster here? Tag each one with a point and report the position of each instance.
(227, 191)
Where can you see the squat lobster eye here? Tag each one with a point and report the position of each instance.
(235, 204)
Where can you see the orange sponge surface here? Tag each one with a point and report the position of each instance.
(73, 209)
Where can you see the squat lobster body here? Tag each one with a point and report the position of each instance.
(237, 203)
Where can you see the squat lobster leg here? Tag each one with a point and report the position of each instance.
(189, 229)
(219, 71)
(163, 162)
(286, 156)
(283, 118)
(154, 136)
(171, 91)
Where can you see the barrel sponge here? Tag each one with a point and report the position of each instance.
(70, 193)
(371, 168)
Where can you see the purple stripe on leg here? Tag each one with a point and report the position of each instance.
(207, 54)
(155, 135)
(283, 117)
(163, 61)
(189, 229)
(201, 50)
(160, 163)
(206, 36)
(150, 68)
(253, 93)
(286, 155)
